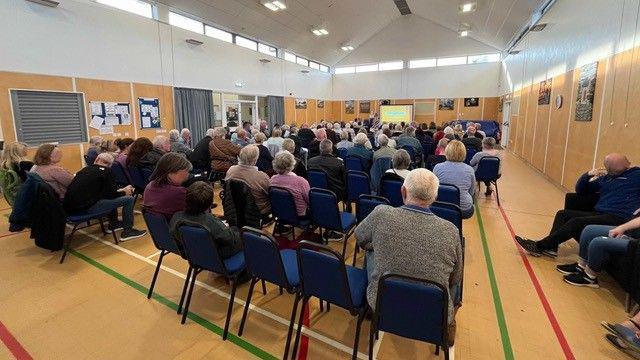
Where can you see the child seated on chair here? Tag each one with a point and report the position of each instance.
(197, 212)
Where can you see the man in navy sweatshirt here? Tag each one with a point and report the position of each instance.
(618, 185)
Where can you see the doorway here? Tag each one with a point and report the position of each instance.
(237, 112)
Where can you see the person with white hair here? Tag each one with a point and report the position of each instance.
(344, 140)
(200, 157)
(161, 146)
(384, 150)
(360, 150)
(478, 127)
(256, 180)
(178, 146)
(223, 152)
(401, 240)
(275, 140)
(185, 137)
(94, 191)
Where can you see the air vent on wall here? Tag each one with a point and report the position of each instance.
(49, 3)
(194, 42)
(538, 27)
(403, 7)
(264, 61)
(514, 52)
(304, 71)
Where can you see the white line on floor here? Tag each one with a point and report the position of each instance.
(154, 254)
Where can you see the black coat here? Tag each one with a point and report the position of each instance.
(201, 157)
(239, 206)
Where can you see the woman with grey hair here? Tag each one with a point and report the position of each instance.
(360, 150)
(401, 163)
(256, 180)
(344, 140)
(178, 146)
(283, 165)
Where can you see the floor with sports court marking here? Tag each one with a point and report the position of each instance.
(95, 306)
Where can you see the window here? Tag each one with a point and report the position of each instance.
(477, 59)
(269, 50)
(393, 65)
(289, 57)
(452, 61)
(133, 6)
(314, 65)
(422, 63)
(47, 116)
(218, 34)
(366, 68)
(185, 23)
(345, 70)
(324, 68)
(246, 43)
(302, 61)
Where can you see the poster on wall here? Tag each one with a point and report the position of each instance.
(301, 103)
(544, 93)
(349, 106)
(320, 104)
(149, 113)
(385, 102)
(472, 102)
(109, 114)
(365, 106)
(586, 92)
(446, 103)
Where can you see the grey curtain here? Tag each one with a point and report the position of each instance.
(194, 110)
(275, 109)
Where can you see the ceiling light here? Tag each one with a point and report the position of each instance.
(467, 7)
(463, 33)
(318, 31)
(347, 48)
(49, 3)
(324, 32)
(279, 4)
(274, 5)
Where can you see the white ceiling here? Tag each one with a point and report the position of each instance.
(357, 21)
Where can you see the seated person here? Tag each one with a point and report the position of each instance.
(199, 197)
(256, 180)
(201, 157)
(298, 186)
(597, 243)
(14, 157)
(344, 141)
(439, 157)
(624, 335)
(472, 131)
(488, 149)
(306, 136)
(275, 140)
(402, 240)
(165, 195)
(333, 166)
(94, 190)
(138, 149)
(619, 187)
(242, 138)
(360, 150)
(408, 138)
(442, 144)
(385, 150)
(471, 139)
(185, 137)
(94, 149)
(46, 162)
(455, 172)
(265, 159)
(401, 163)
(478, 126)
(123, 146)
(223, 152)
(178, 146)
(161, 146)
(314, 147)
(290, 146)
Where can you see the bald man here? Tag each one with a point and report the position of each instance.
(618, 186)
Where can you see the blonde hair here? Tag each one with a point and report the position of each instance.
(455, 151)
(13, 154)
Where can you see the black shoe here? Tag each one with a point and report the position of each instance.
(115, 226)
(128, 234)
(550, 253)
(569, 269)
(332, 236)
(581, 279)
(529, 246)
(489, 191)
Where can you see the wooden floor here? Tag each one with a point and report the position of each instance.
(93, 305)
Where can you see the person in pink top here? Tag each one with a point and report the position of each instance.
(283, 165)
(165, 195)
(46, 162)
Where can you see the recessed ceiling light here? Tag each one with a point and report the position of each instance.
(274, 5)
(319, 31)
(280, 5)
(324, 32)
(467, 7)
(347, 48)
(463, 33)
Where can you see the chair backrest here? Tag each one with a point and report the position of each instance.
(411, 151)
(366, 204)
(122, 179)
(449, 212)
(352, 162)
(488, 168)
(262, 257)
(357, 184)
(342, 153)
(159, 230)
(449, 193)
(273, 149)
(390, 189)
(87, 159)
(380, 165)
(324, 209)
(137, 179)
(470, 153)
(323, 274)
(317, 179)
(283, 206)
(200, 250)
(433, 160)
(412, 308)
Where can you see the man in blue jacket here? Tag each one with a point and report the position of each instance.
(618, 185)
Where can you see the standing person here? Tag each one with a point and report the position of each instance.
(455, 172)
(223, 152)
(46, 161)
(165, 195)
(201, 156)
(178, 146)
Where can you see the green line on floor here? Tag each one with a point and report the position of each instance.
(254, 350)
(502, 324)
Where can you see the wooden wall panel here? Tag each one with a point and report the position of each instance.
(403, 102)
(530, 126)
(514, 121)
(336, 110)
(165, 95)
(541, 132)
(560, 85)
(469, 113)
(301, 115)
(522, 120)
(289, 110)
(490, 111)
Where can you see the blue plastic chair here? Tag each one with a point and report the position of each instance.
(283, 208)
(412, 154)
(366, 204)
(342, 153)
(358, 183)
(470, 153)
(449, 193)
(317, 179)
(379, 167)
(137, 178)
(265, 262)
(77, 220)
(412, 308)
(453, 214)
(390, 189)
(202, 254)
(326, 215)
(353, 163)
(121, 177)
(489, 170)
(324, 275)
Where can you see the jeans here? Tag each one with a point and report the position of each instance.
(596, 245)
(570, 223)
(125, 202)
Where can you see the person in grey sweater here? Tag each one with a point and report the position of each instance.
(411, 240)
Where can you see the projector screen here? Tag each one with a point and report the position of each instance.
(396, 113)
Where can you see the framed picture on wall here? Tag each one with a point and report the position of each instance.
(586, 92)
(365, 106)
(301, 103)
(471, 102)
(320, 104)
(349, 106)
(446, 103)
(544, 93)
(385, 102)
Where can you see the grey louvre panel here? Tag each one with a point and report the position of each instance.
(45, 117)
(402, 6)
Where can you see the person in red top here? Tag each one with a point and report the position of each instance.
(165, 195)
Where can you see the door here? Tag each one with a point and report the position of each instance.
(231, 115)
(248, 113)
(506, 112)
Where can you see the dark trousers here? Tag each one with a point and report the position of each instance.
(569, 224)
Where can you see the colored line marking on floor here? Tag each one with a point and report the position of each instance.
(13, 344)
(566, 349)
(502, 324)
(233, 338)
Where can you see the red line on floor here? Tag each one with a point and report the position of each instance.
(543, 298)
(304, 341)
(12, 344)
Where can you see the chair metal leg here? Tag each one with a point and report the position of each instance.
(299, 330)
(321, 305)
(497, 193)
(67, 244)
(155, 274)
(280, 289)
(184, 288)
(437, 350)
(246, 305)
(230, 308)
(344, 245)
(292, 321)
(446, 352)
(356, 250)
(372, 332)
(354, 356)
(264, 287)
(186, 305)
(104, 231)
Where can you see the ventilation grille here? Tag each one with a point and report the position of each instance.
(403, 7)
